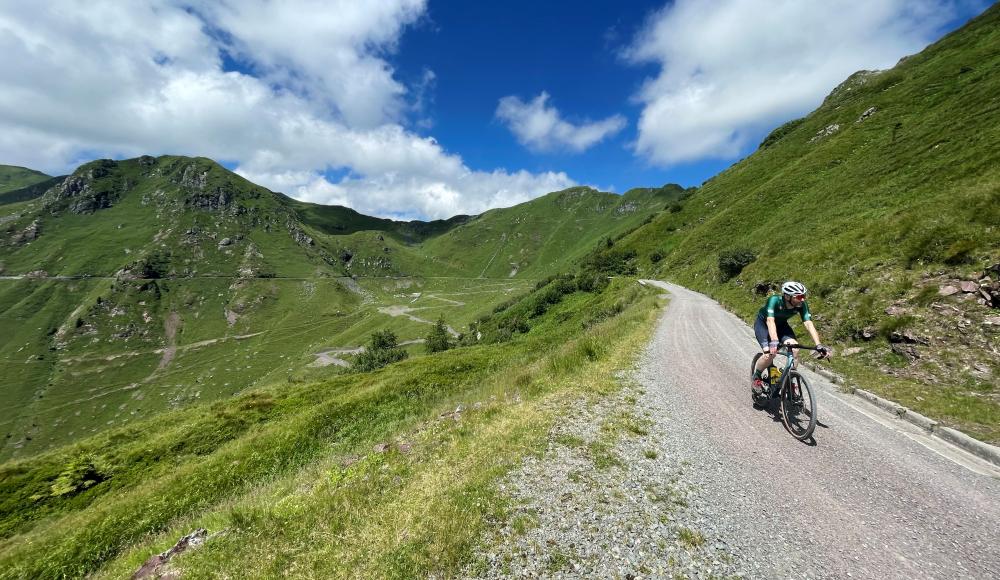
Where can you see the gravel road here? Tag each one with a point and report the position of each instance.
(873, 498)
(712, 488)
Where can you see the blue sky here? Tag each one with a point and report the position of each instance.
(481, 52)
(425, 108)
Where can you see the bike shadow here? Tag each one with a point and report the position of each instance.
(773, 409)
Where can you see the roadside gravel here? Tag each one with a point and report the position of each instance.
(698, 484)
(607, 500)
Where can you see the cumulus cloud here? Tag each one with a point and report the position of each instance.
(286, 91)
(731, 69)
(540, 127)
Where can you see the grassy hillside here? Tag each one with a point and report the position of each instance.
(547, 234)
(400, 464)
(13, 177)
(886, 193)
(139, 286)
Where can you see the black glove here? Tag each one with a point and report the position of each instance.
(822, 351)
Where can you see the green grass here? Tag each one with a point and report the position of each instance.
(881, 211)
(172, 242)
(293, 466)
(14, 178)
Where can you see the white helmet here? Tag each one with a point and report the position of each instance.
(792, 288)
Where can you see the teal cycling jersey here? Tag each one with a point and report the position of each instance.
(775, 308)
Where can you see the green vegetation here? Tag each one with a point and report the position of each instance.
(159, 282)
(732, 262)
(366, 458)
(885, 193)
(438, 339)
(13, 178)
(383, 349)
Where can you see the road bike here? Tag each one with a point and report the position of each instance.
(790, 389)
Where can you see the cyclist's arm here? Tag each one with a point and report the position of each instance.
(772, 329)
(812, 331)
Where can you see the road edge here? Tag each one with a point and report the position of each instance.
(983, 450)
(990, 453)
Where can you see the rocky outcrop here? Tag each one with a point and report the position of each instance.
(155, 566)
(825, 132)
(868, 113)
(93, 187)
(28, 234)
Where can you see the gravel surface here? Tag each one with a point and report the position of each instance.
(678, 476)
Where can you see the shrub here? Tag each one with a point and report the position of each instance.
(656, 256)
(732, 262)
(382, 350)
(78, 475)
(438, 339)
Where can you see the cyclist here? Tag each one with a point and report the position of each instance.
(771, 326)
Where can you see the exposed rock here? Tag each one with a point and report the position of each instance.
(28, 234)
(895, 310)
(907, 351)
(225, 242)
(865, 334)
(992, 320)
(947, 290)
(153, 568)
(851, 351)
(868, 113)
(763, 288)
(37, 274)
(907, 337)
(968, 286)
(825, 132)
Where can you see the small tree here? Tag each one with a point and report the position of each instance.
(438, 338)
(382, 349)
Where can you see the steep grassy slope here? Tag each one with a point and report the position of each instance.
(13, 177)
(547, 234)
(400, 464)
(885, 193)
(138, 286)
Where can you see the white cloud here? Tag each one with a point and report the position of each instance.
(731, 69)
(114, 79)
(540, 127)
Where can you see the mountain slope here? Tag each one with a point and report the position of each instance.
(133, 287)
(13, 177)
(887, 192)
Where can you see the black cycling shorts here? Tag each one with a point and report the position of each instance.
(763, 339)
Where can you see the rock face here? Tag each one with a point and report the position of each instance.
(92, 188)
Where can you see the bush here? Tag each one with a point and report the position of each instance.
(382, 349)
(732, 262)
(438, 339)
(656, 256)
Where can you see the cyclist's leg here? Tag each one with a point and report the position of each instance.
(787, 336)
(760, 331)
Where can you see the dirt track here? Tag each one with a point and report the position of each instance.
(874, 497)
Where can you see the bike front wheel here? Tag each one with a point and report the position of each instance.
(798, 406)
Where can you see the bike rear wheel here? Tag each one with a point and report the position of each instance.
(798, 406)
